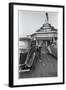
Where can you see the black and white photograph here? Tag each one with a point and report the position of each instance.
(36, 44)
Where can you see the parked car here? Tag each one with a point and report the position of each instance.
(27, 54)
(52, 49)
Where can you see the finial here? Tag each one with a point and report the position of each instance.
(46, 17)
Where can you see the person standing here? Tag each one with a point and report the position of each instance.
(39, 50)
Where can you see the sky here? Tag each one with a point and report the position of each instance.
(30, 21)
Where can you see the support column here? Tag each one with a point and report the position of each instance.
(46, 43)
(36, 42)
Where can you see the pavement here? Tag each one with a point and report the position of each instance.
(46, 67)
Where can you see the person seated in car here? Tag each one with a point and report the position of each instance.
(30, 57)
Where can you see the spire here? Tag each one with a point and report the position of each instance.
(47, 16)
(46, 20)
